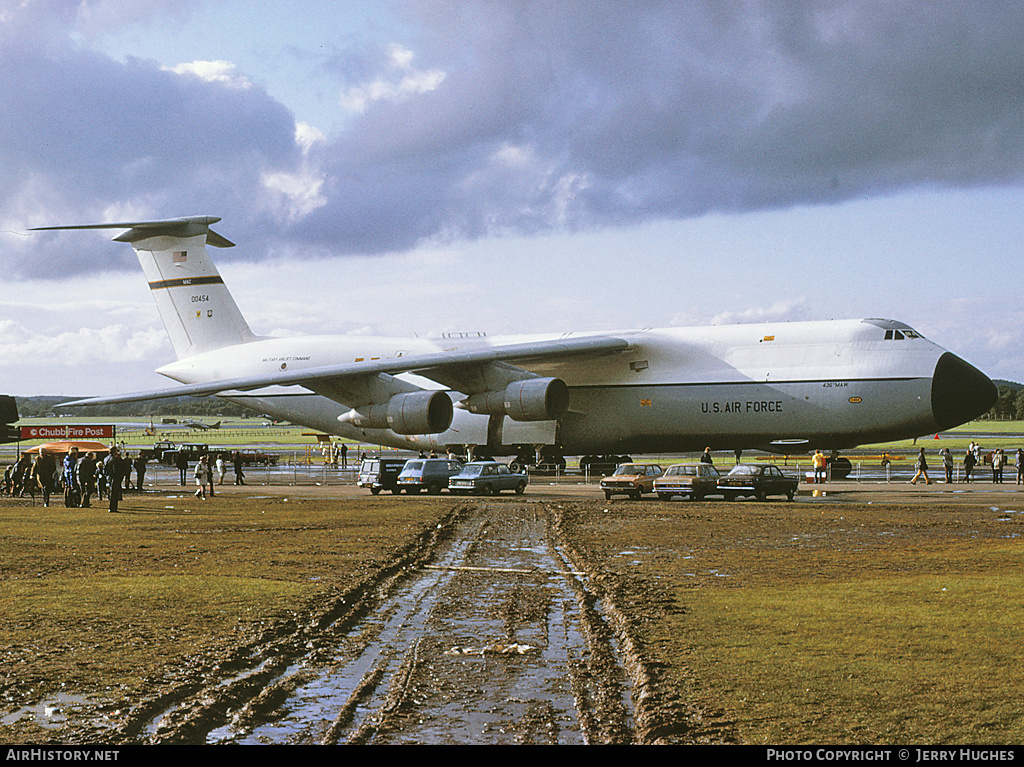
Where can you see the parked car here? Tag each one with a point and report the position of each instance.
(430, 474)
(257, 458)
(758, 481)
(191, 451)
(694, 480)
(378, 474)
(632, 479)
(487, 478)
(156, 453)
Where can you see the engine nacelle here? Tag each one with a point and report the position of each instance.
(532, 399)
(417, 412)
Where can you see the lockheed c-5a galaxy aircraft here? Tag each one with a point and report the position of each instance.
(784, 387)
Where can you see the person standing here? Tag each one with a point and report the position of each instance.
(237, 461)
(947, 464)
(140, 470)
(998, 460)
(112, 471)
(969, 461)
(922, 469)
(819, 467)
(87, 478)
(221, 468)
(71, 479)
(181, 461)
(208, 466)
(1019, 461)
(42, 472)
(706, 456)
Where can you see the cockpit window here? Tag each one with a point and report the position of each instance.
(895, 331)
(899, 335)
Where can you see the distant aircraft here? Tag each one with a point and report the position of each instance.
(200, 425)
(781, 387)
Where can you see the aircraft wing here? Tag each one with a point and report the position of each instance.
(431, 365)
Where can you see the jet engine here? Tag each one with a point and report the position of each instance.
(531, 399)
(418, 412)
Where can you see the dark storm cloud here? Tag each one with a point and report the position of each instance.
(571, 115)
(524, 116)
(82, 135)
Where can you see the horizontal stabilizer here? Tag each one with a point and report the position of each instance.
(192, 226)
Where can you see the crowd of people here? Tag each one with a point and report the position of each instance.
(996, 459)
(206, 467)
(79, 477)
(85, 477)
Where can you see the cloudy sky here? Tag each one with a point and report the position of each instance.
(417, 167)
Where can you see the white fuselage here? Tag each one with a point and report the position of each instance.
(781, 386)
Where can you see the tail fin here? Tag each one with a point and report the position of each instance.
(198, 311)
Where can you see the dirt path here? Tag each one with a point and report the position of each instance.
(485, 636)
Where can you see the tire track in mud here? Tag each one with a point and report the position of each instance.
(495, 639)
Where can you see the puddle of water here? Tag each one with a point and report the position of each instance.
(54, 712)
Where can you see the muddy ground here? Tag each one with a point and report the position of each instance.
(487, 629)
(509, 621)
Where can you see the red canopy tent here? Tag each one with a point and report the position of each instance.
(63, 447)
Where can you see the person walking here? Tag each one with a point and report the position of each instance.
(922, 469)
(200, 476)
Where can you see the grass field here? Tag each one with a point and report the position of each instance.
(802, 623)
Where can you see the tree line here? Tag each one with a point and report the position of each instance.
(39, 407)
(1009, 405)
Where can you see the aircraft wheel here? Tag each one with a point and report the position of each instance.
(520, 488)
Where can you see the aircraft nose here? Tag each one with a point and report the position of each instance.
(960, 392)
